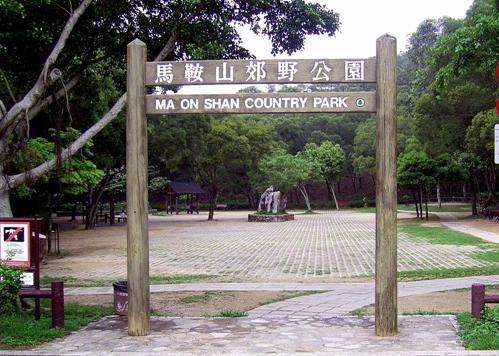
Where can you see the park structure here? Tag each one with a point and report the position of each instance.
(142, 74)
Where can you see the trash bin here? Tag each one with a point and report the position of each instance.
(121, 297)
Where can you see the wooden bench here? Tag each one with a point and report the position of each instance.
(55, 294)
(221, 206)
(491, 213)
(479, 299)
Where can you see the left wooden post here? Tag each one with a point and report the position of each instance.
(136, 192)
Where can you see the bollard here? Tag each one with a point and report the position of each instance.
(477, 300)
(57, 304)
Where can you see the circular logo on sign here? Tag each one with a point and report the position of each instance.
(360, 102)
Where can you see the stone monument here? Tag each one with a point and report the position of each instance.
(271, 207)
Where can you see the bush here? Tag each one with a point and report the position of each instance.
(10, 284)
(480, 334)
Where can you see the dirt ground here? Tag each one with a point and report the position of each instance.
(195, 303)
(482, 224)
(440, 302)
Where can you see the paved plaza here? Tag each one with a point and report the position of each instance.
(328, 246)
(262, 335)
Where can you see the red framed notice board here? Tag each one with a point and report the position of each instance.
(15, 242)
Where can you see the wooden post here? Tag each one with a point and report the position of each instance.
(386, 187)
(136, 192)
(57, 289)
(477, 300)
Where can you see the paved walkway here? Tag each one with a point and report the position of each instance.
(314, 323)
(235, 336)
(324, 247)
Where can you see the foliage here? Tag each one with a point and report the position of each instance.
(158, 183)
(328, 159)
(480, 135)
(481, 334)
(471, 48)
(22, 330)
(77, 174)
(285, 171)
(414, 169)
(10, 285)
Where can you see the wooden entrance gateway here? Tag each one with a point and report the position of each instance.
(380, 70)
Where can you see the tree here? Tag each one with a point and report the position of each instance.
(172, 29)
(364, 151)
(416, 172)
(447, 170)
(480, 144)
(286, 171)
(328, 160)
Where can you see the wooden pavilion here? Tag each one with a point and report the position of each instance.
(191, 190)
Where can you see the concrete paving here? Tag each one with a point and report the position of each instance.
(330, 246)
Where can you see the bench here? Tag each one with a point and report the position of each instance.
(221, 206)
(479, 299)
(55, 294)
(491, 213)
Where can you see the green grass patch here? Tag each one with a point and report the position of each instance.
(489, 256)
(431, 209)
(440, 235)
(308, 212)
(480, 334)
(21, 330)
(426, 312)
(231, 314)
(199, 298)
(82, 282)
(447, 273)
(364, 210)
(359, 313)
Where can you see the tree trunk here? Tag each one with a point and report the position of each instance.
(5, 210)
(93, 204)
(334, 197)
(474, 210)
(464, 190)
(420, 193)
(426, 203)
(213, 203)
(329, 193)
(304, 193)
(415, 202)
(439, 199)
(112, 214)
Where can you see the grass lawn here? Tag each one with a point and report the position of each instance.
(21, 330)
(447, 273)
(480, 334)
(440, 235)
(82, 282)
(431, 209)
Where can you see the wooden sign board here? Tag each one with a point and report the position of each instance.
(278, 71)
(337, 102)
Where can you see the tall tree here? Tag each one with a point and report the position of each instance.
(328, 160)
(76, 38)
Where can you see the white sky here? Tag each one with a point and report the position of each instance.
(362, 21)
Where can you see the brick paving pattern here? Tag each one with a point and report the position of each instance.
(326, 246)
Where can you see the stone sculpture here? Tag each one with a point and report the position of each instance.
(271, 200)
